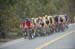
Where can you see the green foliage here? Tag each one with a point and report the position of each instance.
(13, 11)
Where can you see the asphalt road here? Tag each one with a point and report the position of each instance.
(61, 40)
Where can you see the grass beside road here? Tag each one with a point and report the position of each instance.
(10, 37)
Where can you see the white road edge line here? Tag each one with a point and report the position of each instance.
(10, 42)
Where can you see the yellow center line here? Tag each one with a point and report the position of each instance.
(54, 40)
